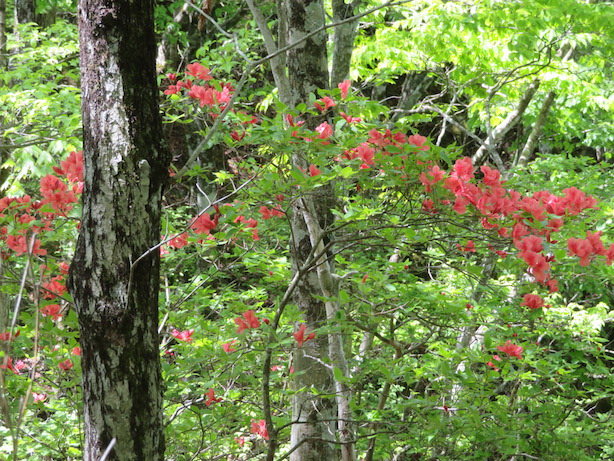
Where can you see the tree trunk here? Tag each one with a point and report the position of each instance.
(343, 39)
(315, 417)
(114, 276)
(25, 11)
(318, 420)
(3, 50)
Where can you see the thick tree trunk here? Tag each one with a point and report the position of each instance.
(114, 277)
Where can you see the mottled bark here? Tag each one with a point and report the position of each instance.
(343, 40)
(3, 59)
(329, 288)
(317, 417)
(25, 11)
(314, 414)
(307, 62)
(114, 278)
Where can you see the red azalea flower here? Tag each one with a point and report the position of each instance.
(228, 347)
(65, 365)
(259, 428)
(511, 349)
(313, 170)
(325, 104)
(211, 398)
(532, 301)
(197, 70)
(299, 335)
(248, 321)
(203, 224)
(418, 141)
(185, 335)
(469, 248)
(325, 130)
(9, 365)
(344, 86)
(52, 310)
(7, 335)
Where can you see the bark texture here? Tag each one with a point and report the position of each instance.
(25, 11)
(314, 413)
(343, 39)
(114, 278)
(2, 39)
(307, 62)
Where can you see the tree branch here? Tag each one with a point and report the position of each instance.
(497, 134)
(523, 159)
(277, 64)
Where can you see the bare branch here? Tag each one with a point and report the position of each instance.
(523, 159)
(497, 134)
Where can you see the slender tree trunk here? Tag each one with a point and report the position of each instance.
(343, 40)
(315, 416)
(319, 419)
(3, 59)
(114, 276)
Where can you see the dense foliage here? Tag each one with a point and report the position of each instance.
(475, 305)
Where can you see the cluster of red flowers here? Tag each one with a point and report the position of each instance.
(22, 211)
(529, 221)
(383, 143)
(207, 94)
(203, 224)
(248, 321)
(513, 215)
(72, 168)
(56, 192)
(586, 249)
(259, 428)
(251, 224)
